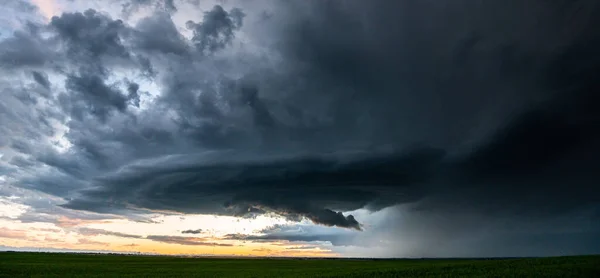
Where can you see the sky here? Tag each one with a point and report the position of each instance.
(300, 128)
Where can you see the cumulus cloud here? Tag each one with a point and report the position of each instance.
(217, 28)
(170, 39)
(319, 109)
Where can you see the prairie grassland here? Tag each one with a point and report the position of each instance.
(17, 264)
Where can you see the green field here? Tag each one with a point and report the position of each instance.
(13, 264)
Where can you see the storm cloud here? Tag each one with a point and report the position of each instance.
(310, 110)
(295, 234)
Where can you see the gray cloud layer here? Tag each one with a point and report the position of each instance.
(311, 109)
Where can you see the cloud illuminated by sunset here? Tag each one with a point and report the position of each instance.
(48, 8)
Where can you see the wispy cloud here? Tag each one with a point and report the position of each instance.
(86, 241)
(66, 222)
(95, 232)
(10, 233)
(186, 240)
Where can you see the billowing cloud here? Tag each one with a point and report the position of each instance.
(310, 110)
(217, 29)
(22, 50)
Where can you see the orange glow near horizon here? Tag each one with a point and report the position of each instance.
(125, 236)
(146, 246)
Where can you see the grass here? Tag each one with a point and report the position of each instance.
(17, 264)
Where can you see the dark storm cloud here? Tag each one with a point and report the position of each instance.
(23, 49)
(55, 182)
(228, 178)
(170, 6)
(41, 78)
(336, 240)
(90, 94)
(331, 107)
(21, 146)
(297, 233)
(20, 161)
(159, 33)
(544, 149)
(133, 97)
(217, 28)
(463, 91)
(90, 35)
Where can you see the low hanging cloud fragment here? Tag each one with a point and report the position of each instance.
(295, 234)
(186, 241)
(194, 232)
(41, 78)
(95, 232)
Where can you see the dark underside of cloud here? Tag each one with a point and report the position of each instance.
(450, 106)
(293, 234)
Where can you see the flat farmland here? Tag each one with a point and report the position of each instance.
(21, 264)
